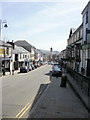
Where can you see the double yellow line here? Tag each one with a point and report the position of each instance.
(23, 111)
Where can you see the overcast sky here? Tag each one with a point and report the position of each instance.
(42, 24)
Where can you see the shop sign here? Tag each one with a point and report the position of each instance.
(2, 51)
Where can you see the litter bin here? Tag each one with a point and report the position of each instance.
(63, 80)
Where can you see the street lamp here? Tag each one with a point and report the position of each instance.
(3, 23)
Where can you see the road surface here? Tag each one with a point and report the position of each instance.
(19, 91)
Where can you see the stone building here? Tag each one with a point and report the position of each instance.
(86, 39)
(73, 49)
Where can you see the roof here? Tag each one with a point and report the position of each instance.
(19, 49)
(2, 43)
(86, 7)
(24, 44)
(74, 30)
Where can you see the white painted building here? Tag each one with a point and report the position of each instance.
(19, 56)
(6, 56)
(32, 54)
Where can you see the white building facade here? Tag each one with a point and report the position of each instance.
(86, 39)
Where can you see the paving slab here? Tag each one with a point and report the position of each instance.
(58, 102)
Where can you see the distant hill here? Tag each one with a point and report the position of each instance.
(56, 52)
(47, 52)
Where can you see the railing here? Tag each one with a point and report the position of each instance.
(83, 81)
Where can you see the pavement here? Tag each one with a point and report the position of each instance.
(8, 73)
(58, 102)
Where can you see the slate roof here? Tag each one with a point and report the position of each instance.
(24, 44)
(88, 4)
(19, 49)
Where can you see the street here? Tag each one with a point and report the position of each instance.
(45, 59)
(19, 90)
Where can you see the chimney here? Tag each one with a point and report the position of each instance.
(13, 44)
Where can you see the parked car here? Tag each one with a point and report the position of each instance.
(56, 64)
(44, 63)
(24, 69)
(35, 65)
(56, 71)
(30, 67)
(38, 65)
(49, 63)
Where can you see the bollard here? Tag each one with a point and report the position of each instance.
(63, 80)
(12, 72)
(50, 75)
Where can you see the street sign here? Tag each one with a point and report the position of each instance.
(2, 52)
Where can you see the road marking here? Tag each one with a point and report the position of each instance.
(25, 110)
(22, 112)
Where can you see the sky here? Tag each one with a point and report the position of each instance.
(43, 23)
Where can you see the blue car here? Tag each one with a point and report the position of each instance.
(56, 71)
(24, 69)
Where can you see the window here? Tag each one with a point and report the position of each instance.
(86, 17)
(86, 38)
(25, 56)
(7, 51)
(81, 33)
(16, 57)
(20, 55)
(77, 37)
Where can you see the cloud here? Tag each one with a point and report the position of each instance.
(47, 19)
(45, 26)
(45, 1)
(39, 28)
(0, 10)
(53, 12)
(57, 44)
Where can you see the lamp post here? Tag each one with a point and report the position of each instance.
(1, 26)
(50, 54)
(3, 23)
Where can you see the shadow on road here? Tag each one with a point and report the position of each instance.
(48, 74)
(39, 93)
